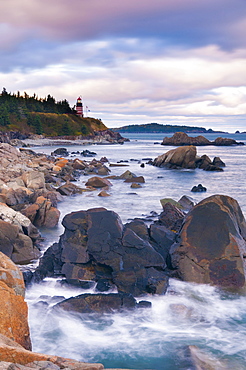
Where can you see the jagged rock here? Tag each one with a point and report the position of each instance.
(127, 175)
(103, 171)
(98, 303)
(13, 308)
(79, 165)
(198, 189)
(69, 189)
(181, 157)
(98, 182)
(171, 217)
(34, 180)
(218, 257)
(218, 162)
(96, 246)
(186, 202)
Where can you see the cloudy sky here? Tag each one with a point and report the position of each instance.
(132, 61)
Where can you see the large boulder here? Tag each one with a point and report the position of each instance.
(96, 246)
(13, 308)
(181, 157)
(211, 246)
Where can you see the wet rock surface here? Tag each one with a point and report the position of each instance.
(211, 246)
(97, 246)
(186, 157)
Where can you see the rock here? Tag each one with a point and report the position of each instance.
(103, 171)
(98, 182)
(182, 157)
(135, 185)
(137, 179)
(171, 217)
(88, 153)
(186, 202)
(96, 246)
(198, 189)
(79, 165)
(221, 141)
(103, 194)
(218, 162)
(98, 303)
(13, 239)
(61, 151)
(13, 308)
(203, 162)
(218, 257)
(181, 138)
(171, 201)
(127, 175)
(163, 238)
(69, 189)
(34, 180)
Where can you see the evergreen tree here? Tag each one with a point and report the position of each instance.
(4, 115)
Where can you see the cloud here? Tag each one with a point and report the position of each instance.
(165, 60)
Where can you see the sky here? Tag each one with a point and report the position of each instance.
(179, 62)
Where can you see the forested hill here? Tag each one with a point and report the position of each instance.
(30, 114)
(156, 127)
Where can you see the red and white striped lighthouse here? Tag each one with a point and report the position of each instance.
(79, 107)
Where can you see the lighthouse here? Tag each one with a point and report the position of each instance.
(79, 107)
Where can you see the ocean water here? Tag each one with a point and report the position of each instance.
(189, 314)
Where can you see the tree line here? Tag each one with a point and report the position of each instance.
(16, 108)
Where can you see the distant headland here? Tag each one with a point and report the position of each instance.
(159, 128)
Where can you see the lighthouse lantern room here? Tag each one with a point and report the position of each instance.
(79, 107)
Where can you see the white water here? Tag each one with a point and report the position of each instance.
(154, 338)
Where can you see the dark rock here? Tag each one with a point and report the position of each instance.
(144, 304)
(98, 303)
(218, 162)
(95, 246)
(69, 189)
(186, 202)
(78, 283)
(217, 257)
(171, 217)
(142, 165)
(88, 153)
(104, 285)
(60, 152)
(199, 188)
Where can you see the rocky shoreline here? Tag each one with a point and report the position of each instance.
(135, 258)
